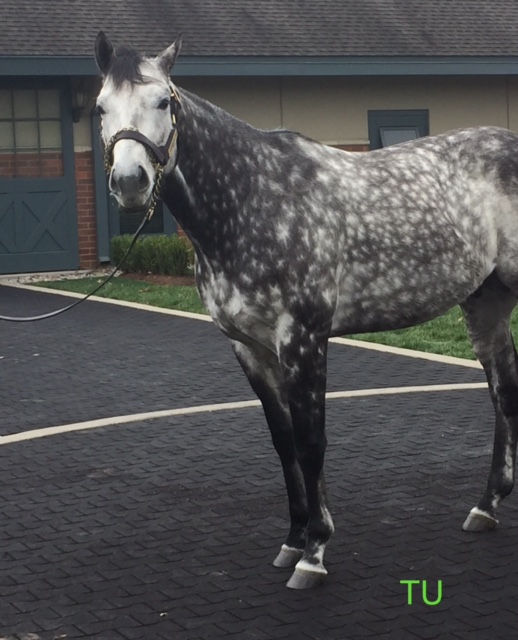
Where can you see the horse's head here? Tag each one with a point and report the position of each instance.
(138, 106)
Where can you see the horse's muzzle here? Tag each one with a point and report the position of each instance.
(141, 210)
(134, 184)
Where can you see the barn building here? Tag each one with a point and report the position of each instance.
(357, 75)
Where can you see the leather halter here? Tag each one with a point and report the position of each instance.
(159, 155)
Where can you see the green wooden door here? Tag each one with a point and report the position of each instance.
(38, 211)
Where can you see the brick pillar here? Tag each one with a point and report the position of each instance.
(86, 220)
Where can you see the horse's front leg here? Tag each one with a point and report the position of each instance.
(264, 374)
(303, 363)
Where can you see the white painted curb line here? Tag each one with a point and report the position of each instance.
(119, 303)
(223, 406)
(410, 353)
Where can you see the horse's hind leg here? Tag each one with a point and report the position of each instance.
(487, 314)
(263, 372)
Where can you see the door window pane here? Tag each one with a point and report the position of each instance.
(48, 104)
(30, 133)
(26, 135)
(50, 134)
(395, 135)
(388, 127)
(25, 105)
(6, 105)
(6, 136)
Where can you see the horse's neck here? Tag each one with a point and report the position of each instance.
(213, 175)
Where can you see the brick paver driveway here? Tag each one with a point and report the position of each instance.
(166, 528)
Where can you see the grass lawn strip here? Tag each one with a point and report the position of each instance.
(445, 335)
(183, 298)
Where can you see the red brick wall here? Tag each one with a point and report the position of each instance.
(50, 165)
(352, 147)
(86, 220)
(31, 165)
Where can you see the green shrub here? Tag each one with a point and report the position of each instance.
(161, 254)
(118, 247)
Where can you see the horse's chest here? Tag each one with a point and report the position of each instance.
(234, 309)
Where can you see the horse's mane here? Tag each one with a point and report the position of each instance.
(125, 66)
(220, 113)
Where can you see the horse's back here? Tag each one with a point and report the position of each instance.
(425, 222)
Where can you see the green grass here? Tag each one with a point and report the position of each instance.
(445, 335)
(183, 298)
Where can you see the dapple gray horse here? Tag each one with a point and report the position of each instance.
(296, 242)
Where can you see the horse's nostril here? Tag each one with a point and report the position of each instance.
(113, 182)
(138, 181)
(143, 180)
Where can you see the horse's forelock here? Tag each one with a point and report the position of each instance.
(125, 66)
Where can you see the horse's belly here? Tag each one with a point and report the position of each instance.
(395, 300)
(397, 313)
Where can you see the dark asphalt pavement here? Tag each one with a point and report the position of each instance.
(166, 529)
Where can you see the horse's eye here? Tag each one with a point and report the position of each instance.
(98, 110)
(164, 104)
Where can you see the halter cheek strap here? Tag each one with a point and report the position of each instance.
(160, 155)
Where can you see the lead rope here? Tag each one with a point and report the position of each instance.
(146, 219)
(159, 173)
(51, 314)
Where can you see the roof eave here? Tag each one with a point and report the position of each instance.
(189, 66)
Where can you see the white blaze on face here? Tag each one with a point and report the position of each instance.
(138, 106)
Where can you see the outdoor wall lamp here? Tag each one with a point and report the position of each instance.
(79, 101)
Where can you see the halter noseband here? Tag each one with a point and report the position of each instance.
(159, 156)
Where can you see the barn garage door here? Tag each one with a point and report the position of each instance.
(38, 215)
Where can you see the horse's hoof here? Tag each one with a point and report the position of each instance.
(306, 579)
(479, 520)
(288, 557)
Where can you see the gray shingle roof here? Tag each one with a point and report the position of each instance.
(264, 27)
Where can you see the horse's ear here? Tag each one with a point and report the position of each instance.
(167, 58)
(103, 52)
